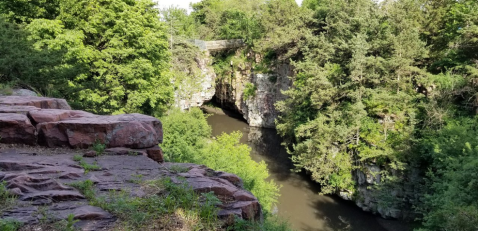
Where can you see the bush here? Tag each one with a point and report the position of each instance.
(186, 140)
(249, 91)
(184, 135)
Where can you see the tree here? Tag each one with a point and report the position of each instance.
(115, 51)
(353, 101)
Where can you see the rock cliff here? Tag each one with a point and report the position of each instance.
(196, 91)
(39, 165)
(387, 200)
(258, 107)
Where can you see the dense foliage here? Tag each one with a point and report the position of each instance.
(392, 84)
(187, 140)
(105, 56)
(388, 84)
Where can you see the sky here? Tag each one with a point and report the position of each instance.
(185, 3)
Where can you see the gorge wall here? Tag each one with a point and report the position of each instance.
(196, 91)
(253, 95)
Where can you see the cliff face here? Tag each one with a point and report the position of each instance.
(257, 105)
(195, 91)
(387, 200)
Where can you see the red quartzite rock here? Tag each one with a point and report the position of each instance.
(155, 154)
(18, 109)
(16, 129)
(55, 115)
(130, 130)
(227, 187)
(39, 102)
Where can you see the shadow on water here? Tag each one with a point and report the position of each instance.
(300, 201)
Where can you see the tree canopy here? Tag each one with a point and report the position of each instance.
(105, 56)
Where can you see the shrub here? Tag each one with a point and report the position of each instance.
(249, 91)
(187, 140)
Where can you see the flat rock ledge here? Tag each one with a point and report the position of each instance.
(40, 136)
(51, 123)
(40, 179)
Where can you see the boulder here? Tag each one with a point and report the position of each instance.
(156, 154)
(16, 129)
(129, 130)
(17, 109)
(39, 102)
(55, 115)
(227, 187)
(23, 92)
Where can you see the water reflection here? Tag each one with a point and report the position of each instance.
(300, 201)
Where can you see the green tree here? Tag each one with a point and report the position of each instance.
(115, 55)
(353, 100)
(450, 201)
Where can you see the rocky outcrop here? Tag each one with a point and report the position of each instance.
(41, 175)
(259, 108)
(199, 89)
(228, 187)
(41, 181)
(16, 128)
(388, 200)
(18, 92)
(39, 102)
(50, 122)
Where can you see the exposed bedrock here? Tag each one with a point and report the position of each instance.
(50, 122)
(258, 108)
(40, 180)
(39, 173)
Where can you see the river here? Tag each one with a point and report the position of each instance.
(300, 202)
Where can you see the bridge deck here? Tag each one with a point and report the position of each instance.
(218, 45)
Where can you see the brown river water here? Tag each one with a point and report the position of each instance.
(300, 202)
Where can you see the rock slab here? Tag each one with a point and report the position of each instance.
(39, 102)
(50, 122)
(16, 129)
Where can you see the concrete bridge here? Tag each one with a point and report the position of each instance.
(218, 45)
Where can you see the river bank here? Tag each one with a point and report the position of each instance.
(300, 201)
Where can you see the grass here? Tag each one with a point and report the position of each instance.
(165, 201)
(7, 200)
(270, 223)
(85, 188)
(136, 178)
(249, 91)
(9, 225)
(87, 167)
(6, 89)
(178, 169)
(99, 147)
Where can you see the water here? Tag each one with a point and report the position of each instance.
(300, 201)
